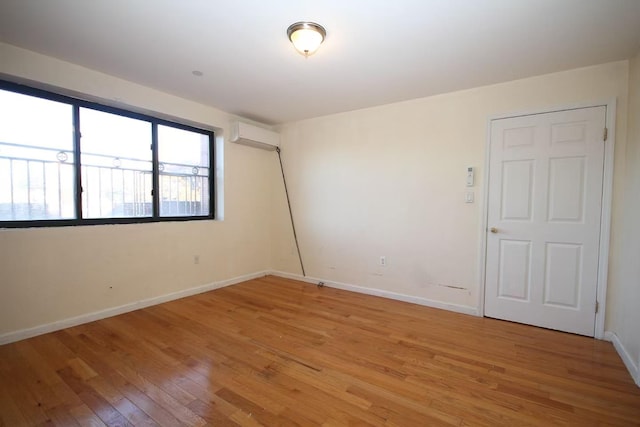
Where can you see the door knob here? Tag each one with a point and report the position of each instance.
(493, 230)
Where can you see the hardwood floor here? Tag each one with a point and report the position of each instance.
(277, 352)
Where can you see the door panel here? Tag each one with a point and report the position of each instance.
(571, 132)
(517, 188)
(562, 277)
(514, 279)
(566, 189)
(544, 208)
(521, 136)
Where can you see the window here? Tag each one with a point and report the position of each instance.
(116, 164)
(36, 162)
(65, 161)
(183, 158)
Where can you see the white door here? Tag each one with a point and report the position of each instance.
(544, 208)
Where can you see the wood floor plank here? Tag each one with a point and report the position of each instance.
(96, 402)
(133, 414)
(211, 414)
(85, 416)
(18, 382)
(10, 414)
(61, 416)
(278, 352)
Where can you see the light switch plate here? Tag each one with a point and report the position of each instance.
(468, 197)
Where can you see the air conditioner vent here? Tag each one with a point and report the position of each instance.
(254, 136)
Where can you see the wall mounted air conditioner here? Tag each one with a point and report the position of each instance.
(254, 136)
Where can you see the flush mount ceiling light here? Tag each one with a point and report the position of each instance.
(306, 36)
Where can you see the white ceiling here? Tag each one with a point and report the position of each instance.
(376, 51)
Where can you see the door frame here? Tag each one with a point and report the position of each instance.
(605, 218)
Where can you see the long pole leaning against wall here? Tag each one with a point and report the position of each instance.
(293, 225)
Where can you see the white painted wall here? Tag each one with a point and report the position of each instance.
(625, 277)
(51, 274)
(390, 181)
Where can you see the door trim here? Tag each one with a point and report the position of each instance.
(605, 219)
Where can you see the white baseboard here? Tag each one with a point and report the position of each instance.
(114, 311)
(381, 293)
(624, 355)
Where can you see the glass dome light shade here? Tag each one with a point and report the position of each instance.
(306, 37)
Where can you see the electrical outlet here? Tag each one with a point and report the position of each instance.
(383, 261)
(196, 259)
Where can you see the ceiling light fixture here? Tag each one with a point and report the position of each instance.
(306, 36)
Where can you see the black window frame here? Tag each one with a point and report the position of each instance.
(78, 103)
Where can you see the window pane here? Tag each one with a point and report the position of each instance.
(116, 165)
(36, 158)
(184, 172)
